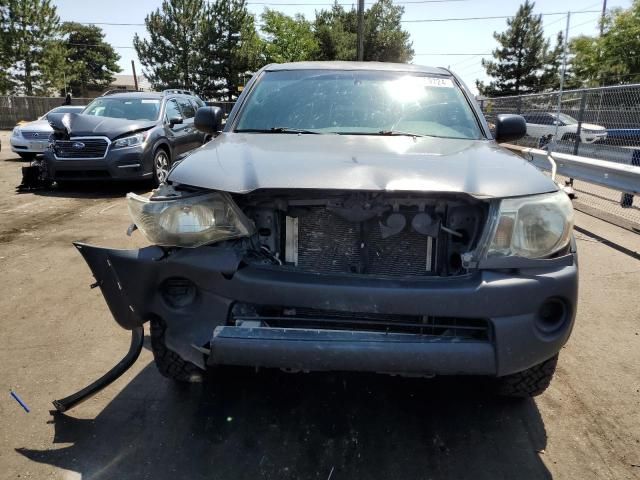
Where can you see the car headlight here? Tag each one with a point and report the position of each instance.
(16, 132)
(189, 221)
(532, 227)
(137, 139)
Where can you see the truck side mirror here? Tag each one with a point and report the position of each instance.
(510, 127)
(208, 120)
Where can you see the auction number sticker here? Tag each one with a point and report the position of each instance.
(437, 82)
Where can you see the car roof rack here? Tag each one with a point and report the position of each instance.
(180, 91)
(119, 90)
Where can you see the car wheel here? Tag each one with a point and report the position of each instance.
(169, 363)
(161, 166)
(530, 382)
(27, 156)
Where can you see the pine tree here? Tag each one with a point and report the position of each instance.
(5, 48)
(552, 70)
(91, 62)
(519, 61)
(168, 56)
(32, 29)
(231, 48)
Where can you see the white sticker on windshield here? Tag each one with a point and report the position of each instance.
(437, 82)
(149, 100)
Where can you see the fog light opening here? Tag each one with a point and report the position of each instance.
(552, 315)
(178, 292)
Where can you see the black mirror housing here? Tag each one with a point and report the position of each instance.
(208, 120)
(175, 121)
(510, 127)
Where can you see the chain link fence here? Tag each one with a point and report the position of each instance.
(17, 109)
(601, 123)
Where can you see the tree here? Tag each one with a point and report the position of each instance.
(91, 62)
(32, 28)
(614, 57)
(552, 68)
(168, 56)
(384, 39)
(520, 58)
(5, 48)
(231, 48)
(287, 39)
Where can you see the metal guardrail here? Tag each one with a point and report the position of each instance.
(617, 176)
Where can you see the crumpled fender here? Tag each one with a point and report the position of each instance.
(129, 279)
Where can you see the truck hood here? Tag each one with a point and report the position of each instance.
(79, 125)
(243, 162)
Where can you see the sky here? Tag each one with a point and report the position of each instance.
(460, 45)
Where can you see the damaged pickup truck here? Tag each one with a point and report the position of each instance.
(351, 216)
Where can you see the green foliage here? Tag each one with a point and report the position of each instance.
(613, 58)
(32, 27)
(287, 39)
(384, 40)
(207, 47)
(168, 56)
(90, 61)
(5, 48)
(519, 61)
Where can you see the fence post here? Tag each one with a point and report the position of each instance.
(583, 102)
(519, 105)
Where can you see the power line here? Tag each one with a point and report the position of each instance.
(459, 19)
(405, 2)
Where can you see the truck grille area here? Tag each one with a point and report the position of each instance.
(81, 148)
(330, 244)
(450, 328)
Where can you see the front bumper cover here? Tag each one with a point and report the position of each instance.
(131, 282)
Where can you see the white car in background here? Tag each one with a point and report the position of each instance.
(32, 138)
(543, 124)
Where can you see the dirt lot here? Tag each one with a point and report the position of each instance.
(57, 335)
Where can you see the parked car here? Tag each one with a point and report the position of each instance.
(124, 136)
(543, 124)
(351, 216)
(32, 138)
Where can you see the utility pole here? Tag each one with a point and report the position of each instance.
(360, 30)
(604, 12)
(135, 77)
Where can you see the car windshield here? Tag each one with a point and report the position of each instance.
(69, 109)
(358, 102)
(127, 108)
(564, 118)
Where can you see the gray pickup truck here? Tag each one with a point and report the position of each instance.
(352, 216)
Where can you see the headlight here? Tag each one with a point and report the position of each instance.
(16, 132)
(190, 221)
(532, 227)
(137, 139)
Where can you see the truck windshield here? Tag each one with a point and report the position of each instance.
(358, 103)
(127, 108)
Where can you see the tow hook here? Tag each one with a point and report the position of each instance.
(67, 403)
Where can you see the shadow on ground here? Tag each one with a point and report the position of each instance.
(247, 425)
(93, 189)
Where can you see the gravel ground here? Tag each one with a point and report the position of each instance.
(57, 335)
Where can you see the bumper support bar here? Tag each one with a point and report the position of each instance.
(67, 403)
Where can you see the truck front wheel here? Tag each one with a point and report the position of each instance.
(530, 382)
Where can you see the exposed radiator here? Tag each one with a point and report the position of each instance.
(323, 242)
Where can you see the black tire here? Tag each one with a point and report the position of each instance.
(27, 156)
(529, 383)
(161, 165)
(169, 363)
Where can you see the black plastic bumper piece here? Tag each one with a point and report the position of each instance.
(67, 403)
(317, 350)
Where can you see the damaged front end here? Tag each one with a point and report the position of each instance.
(395, 282)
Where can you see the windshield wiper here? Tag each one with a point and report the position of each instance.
(278, 130)
(398, 133)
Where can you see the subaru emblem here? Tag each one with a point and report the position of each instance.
(78, 145)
